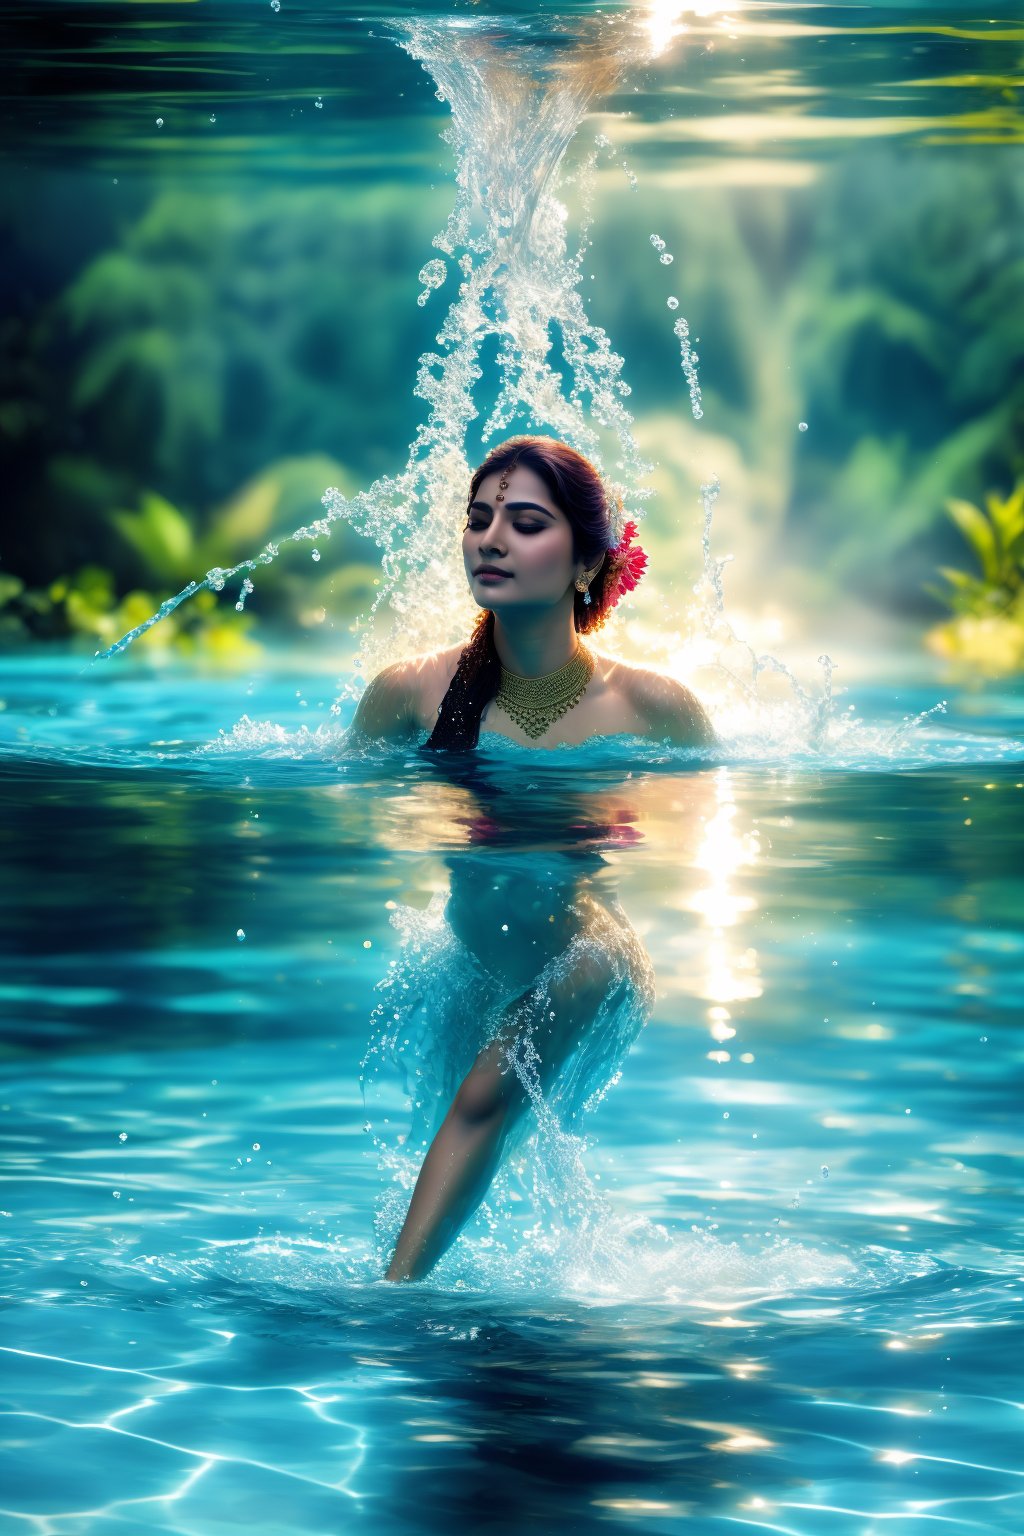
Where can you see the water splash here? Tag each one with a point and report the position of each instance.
(516, 106)
(517, 102)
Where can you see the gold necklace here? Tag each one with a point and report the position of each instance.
(534, 703)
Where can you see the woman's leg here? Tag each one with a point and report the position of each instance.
(464, 1155)
(460, 1163)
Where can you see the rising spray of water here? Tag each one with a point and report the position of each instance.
(517, 328)
(517, 103)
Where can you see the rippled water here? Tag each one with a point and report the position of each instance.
(198, 1336)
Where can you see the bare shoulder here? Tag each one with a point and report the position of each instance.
(664, 705)
(401, 697)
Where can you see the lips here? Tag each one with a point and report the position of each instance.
(491, 570)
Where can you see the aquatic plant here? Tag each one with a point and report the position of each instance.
(986, 633)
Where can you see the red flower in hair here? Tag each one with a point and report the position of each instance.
(628, 564)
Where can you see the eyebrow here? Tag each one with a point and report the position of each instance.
(514, 506)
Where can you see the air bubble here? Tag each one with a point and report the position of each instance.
(159, 122)
(824, 1170)
(802, 426)
(122, 1136)
(315, 555)
(657, 242)
(240, 935)
(673, 302)
(667, 259)
(213, 117)
(319, 104)
(275, 5)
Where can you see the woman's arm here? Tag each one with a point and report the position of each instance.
(386, 711)
(670, 711)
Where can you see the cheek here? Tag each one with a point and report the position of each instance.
(549, 557)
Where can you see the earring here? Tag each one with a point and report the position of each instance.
(584, 587)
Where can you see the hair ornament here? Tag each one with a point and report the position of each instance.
(627, 563)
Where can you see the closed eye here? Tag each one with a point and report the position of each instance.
(476, 522)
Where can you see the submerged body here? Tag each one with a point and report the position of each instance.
(509, 1014)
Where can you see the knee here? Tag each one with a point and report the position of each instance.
(485, 1092)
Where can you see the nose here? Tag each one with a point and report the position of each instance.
(491, 542)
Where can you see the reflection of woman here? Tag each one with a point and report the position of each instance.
(559, 1003)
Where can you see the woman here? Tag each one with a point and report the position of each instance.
(544, 564)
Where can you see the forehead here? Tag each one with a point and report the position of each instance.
(524, 484)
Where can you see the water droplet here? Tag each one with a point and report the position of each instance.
(802, 426)
(657, 242)
(240, 935)
(83, 1282)
(275, 5)
(256, 1146)
(667, 259)
(159, 122)
(213, 117)
(431, 276)
(673, 303)
(315, 555)
(824, 1170)
(319, 104)
(122, 1136)
(116, 1193)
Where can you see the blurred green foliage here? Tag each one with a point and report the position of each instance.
(228, 351)
(881, 304)
(987, 630)
(165, 410)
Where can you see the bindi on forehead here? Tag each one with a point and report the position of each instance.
(525, 488)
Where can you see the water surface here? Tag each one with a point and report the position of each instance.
(198, 1335)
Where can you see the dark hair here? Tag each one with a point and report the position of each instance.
(576, 488)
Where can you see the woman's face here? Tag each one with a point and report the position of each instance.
(526, 535)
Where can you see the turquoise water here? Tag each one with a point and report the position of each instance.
(794, 1304)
